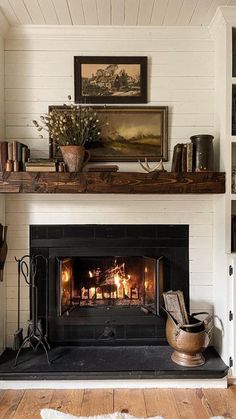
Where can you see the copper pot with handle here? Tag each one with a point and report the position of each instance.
(189, 340)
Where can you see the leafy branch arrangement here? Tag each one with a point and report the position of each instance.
(71, 124)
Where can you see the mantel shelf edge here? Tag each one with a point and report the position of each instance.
(113, 182)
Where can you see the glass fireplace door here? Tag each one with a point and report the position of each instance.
(114, 281)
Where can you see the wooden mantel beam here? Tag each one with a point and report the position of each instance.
(113, 183)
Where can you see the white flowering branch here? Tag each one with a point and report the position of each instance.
(71, 125)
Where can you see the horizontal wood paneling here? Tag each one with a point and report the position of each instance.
(174, 107)
(50, 95)
(158, 82)
(180, 75)
(39, 72)
(121, 206)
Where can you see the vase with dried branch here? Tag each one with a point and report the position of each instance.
(71, 127)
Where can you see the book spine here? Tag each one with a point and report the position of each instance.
(24, 157)
(189, 157)
(3, 155)
(19, 155)
(15, 151)
(10, 151)
(28, 164)
(184, 158)
(40, 169)
(177, 158)
(174, 158)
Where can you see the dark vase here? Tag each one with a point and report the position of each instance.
(203, 154)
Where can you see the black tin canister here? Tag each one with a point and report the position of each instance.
(203, 153)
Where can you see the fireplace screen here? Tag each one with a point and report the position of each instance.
(110, 281)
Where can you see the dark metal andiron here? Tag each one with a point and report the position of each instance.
(27, 267)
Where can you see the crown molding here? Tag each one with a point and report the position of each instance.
(217, 22)
(224, 15)
(93, 31)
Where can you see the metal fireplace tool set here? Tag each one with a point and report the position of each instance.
(27, 270)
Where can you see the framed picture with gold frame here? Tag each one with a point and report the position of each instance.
(129, 133)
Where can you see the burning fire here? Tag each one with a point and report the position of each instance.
(109, 282)
(112, 283)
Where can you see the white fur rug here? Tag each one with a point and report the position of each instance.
(54, 414)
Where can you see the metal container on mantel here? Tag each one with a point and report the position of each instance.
(203, 153)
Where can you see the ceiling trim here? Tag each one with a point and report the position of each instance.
(127, 32)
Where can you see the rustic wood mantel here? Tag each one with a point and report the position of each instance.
(113, 182)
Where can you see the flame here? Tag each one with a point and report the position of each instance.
(91, 292)
(65, 276)
(117, 280)
(90, 274)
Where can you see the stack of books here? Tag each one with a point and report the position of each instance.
(41, 165)
(183, 158)
(13, 156)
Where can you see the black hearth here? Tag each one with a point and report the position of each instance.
(105, 282)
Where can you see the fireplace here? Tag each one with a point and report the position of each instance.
(105, 282)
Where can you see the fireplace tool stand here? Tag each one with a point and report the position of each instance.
(27, 267)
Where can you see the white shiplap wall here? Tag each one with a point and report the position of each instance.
(39, 72)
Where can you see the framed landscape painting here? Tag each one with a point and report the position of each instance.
(110, 79)
(129, 134)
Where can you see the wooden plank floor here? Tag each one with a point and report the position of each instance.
(172, 404)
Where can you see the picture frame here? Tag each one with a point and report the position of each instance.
(129, 134)
(110, 79)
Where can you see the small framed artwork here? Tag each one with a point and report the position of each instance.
(129, 133)
(110, 79)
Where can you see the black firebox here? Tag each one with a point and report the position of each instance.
(105, 282)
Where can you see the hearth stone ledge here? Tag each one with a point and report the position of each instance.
(77, 363)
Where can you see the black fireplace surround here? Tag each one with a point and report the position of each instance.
(105, 282)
